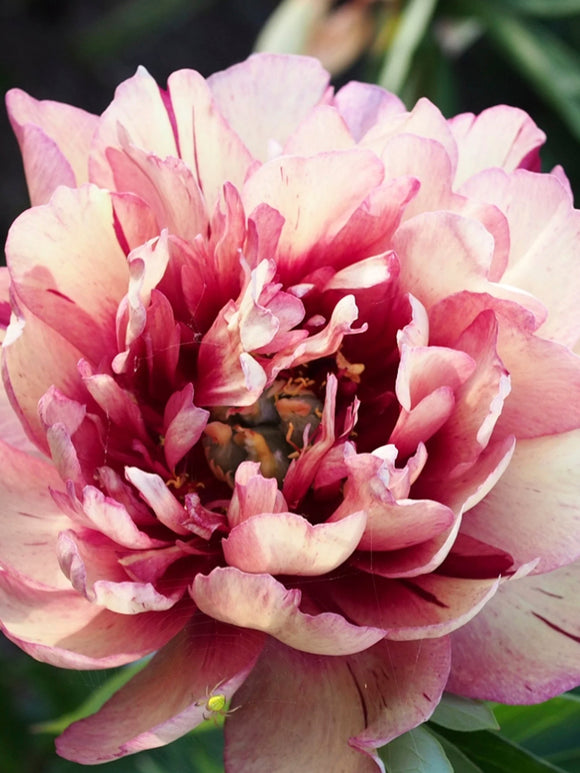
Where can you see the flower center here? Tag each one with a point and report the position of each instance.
(271, 431)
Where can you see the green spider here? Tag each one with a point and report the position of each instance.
(215, 704)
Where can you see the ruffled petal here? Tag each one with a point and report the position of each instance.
(64, 629)
(260, 602)
(285, 543)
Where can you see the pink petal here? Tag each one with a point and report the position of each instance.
(278, 90)
(322, 130)
(413, 561)
(285, 725)
(170, 693)
(45, 166)
(317, 196)
(159, 498)
(363, 105)
(134, 220)
(499, 136)
(535, 629)
(370, 228)
(207, 143)
(168, 185)
(123, 121)
(55, 364)
(107, 516)
(184, 422)
(464, 491)
(62, 628)
(93, 568)
(64, 454)
(479, 401)
(12, 431)
(32, 520)
(539, 492)
(401, 683)
(117, 404)
(391, 525)
(544, 231)
(541, 373)
(423, 369)
(258, 601)
(424, 120)
(253, 494)
(422, 422)
(285, 543)
(442, 253)
(54, 141)
(77, 298)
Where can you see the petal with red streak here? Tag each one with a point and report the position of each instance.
(524, 647)
(423, 607)
(315, 195)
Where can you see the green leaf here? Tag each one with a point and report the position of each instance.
(544, 7)
(551, 66)
(459, 761)
(412, 25)
(494, 754)
(130, 21)
(464, 714)
(549, 729)
(415, 752)
(286, 30)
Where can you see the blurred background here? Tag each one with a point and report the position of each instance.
(465, 55)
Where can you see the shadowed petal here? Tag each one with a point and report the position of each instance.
(171, 693)
(297, 712)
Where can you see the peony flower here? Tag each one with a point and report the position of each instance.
(290, 401)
